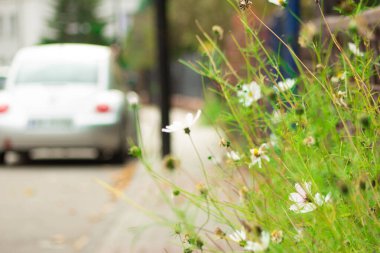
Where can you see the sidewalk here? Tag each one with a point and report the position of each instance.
(133, 231)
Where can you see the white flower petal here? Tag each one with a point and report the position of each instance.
(259, 162)
(355, 50)
(263, 147)
(296, 197)
(278, 2)
(265, 239)
(287, 84)
(319, 199)
(295, 208)
(261, 245)
(233, 155)
(265, 157)
(197, 116)
(249, 93)
(189, 119)
(328, 197)
(300, 190)
(307, 187)
(309, 207)
(238, 236)
(177, 126)
(253, 246)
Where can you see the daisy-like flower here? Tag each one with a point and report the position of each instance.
(133, 98)
(234, 156)
(190, 120)
(339, 98)
(249, 93)
(341, 76)
(239, 236)
(355, 50)
(303, 201)
(309, 141)
(257, 154)
(244, 4)
(287, 84)
(218, 31)
(279, 2)
(277, 236)
(261, 245)
(277, 116)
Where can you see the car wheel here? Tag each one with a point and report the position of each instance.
(24, 157)
(120, 154)
(2, 158)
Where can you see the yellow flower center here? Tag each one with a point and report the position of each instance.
(256, 152)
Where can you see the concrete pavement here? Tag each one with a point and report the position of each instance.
(134, 231)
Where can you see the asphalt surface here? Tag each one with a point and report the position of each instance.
(53, 206)
(65, 206)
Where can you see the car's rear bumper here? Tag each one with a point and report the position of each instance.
(102, 137)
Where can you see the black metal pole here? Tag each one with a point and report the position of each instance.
(163, 70)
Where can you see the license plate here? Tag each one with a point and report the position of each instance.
(49, 123)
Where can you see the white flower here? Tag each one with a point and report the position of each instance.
(132, 98)
(287, 84)
(277, 116)
(309, 141)
(339, 77)
(218, 30)
(319, 199)
(277, 236)
(339, 98)
(355, 50)
(258, 154)
(238, 236)
(177, 126)
(278, 2)
(249, 93)
(299, 236)
(273, 140)
(262, 245)
(234, 156)
(302, 198)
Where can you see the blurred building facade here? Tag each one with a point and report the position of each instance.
(24, 22)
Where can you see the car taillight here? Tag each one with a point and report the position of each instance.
(4, 108)
(102, 108)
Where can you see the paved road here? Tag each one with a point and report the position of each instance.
(60, 207)
(50, 207)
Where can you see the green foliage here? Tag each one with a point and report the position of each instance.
(139, 49)
(301, 171)
(76, 21)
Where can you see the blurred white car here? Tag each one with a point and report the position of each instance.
(65, 99)
(3, 76)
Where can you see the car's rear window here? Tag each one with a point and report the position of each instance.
(55, 73)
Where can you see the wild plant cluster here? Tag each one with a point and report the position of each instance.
(301, 171)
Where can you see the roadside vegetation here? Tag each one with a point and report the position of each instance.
(301, 169)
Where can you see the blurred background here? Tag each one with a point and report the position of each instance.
(130, 26)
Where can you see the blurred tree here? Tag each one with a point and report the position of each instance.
(76, 21)
(140, 44)
(139, 49)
